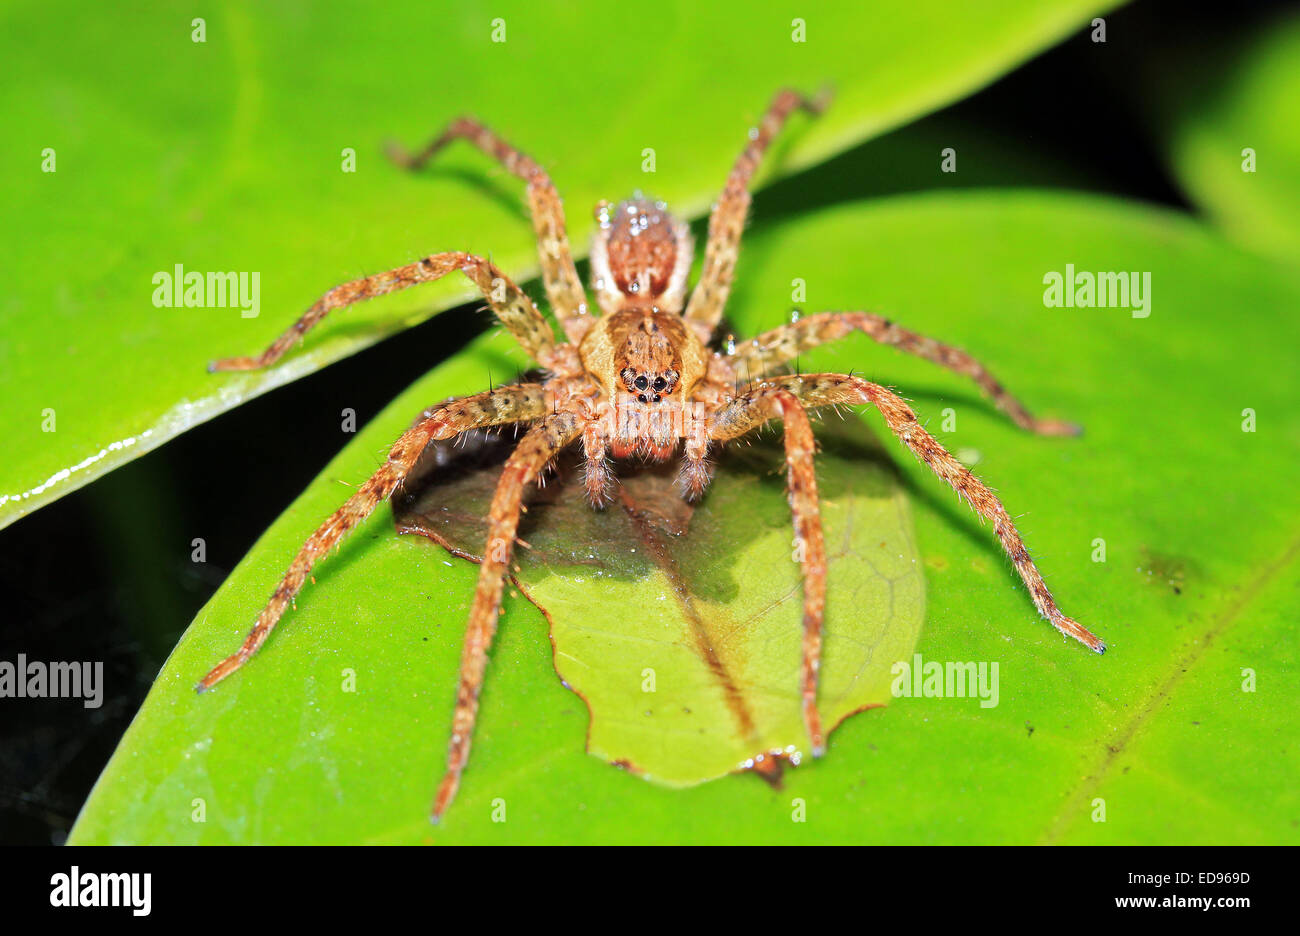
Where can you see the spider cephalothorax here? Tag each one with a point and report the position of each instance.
(640, 380)
(647, 364)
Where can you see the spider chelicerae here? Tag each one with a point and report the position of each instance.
(639, 380)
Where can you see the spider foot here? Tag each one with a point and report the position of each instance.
(221, 671)
(813, 722)
(1072, 628)
(398, 154)
(446, 793)
(233, 364)
(1056, 427)
(821, 100)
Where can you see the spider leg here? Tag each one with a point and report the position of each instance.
(538, 446)
(512, 306)
(494, 407)
(728, 220)
(814, 390)
(775, 347)
(810, 546)
(563, 288)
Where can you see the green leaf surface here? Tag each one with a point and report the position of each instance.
(1197, 594)
(1233, 131)
(681, 627)
(228, 155)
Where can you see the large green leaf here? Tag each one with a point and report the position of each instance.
(689, 658)
(1197, 595)
(227, 155)
(1233, 130)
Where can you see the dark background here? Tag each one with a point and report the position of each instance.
(84, 579)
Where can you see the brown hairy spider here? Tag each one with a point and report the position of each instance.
(639, 380)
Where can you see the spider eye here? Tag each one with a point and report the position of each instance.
(660, 383)
(641, 382)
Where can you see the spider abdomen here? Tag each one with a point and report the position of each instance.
(640, 257)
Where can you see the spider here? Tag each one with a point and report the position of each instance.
(639, 380)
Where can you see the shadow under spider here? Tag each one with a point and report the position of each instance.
(447, 495)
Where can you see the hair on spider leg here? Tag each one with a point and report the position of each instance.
(546, 472)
